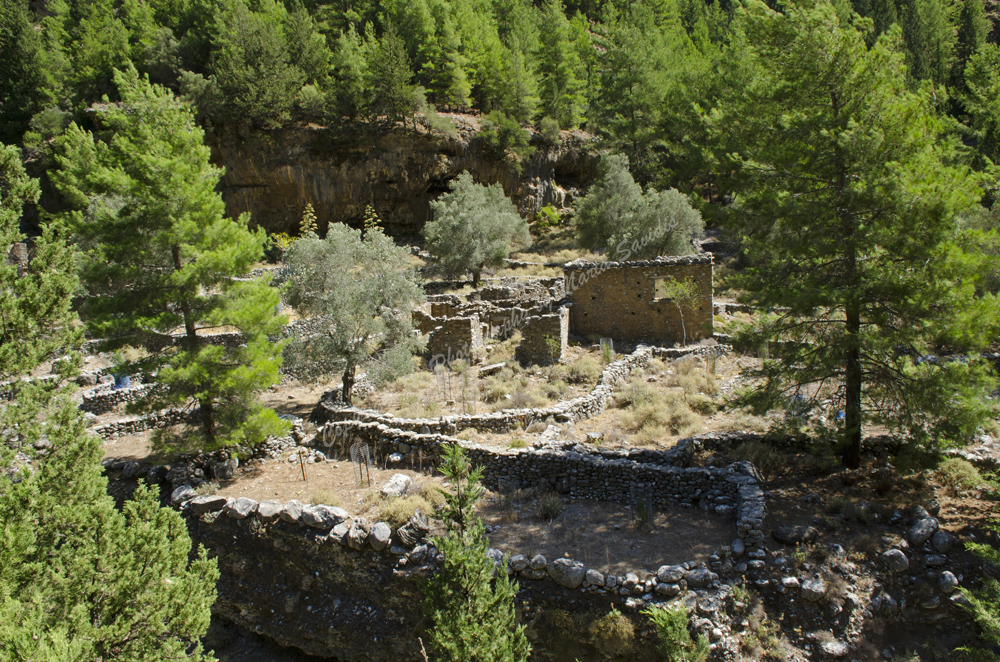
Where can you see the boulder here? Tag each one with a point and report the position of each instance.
(225, 470)
(320, 516)
(537, 562)
(206, 504)
(270, 509)
(738, 548)
(947, 582)
(942, 541)
(379, 536)
(813, 589)
(292, 512)
(834, 648)
(594, 578)
(130, 470)
(700, 577)
(922, 531)
(794, 534)
(415, 530)
(396, 486)
(669, 574)
(182, 494)
(241, 508)
(338, 534)
(518, 562)
(567, 572)
(358, 534)
(669, 590)
(895, 560)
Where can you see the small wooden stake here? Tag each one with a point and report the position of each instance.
(302, 465)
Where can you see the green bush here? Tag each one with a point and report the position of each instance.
(506, 138)
(613, 634)
(761, 455)
(702, 404)
(959, 474)
(676, 643)
(549, 506)
(325, 497)
(585, 370)
(397, 511)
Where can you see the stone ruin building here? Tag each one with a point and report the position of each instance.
(624, 301)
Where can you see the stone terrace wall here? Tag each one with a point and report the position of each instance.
(577, 409)
(137, 424)
(456, 338)
(539, 335)
(103, 401)
(618, 299)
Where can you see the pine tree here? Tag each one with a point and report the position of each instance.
(849, 219)
(473, 228)
(251, 66)
(470, 600)
(973, 27)
(35, 312)
(982, 99)
(349, 97)
(365, 291)
(81, 580)
(560, 72)
(390, 76)
(160, 255)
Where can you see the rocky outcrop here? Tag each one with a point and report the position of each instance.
(274, 174)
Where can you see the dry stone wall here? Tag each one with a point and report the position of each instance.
(544, 339)
(456, 338)
(619, 299)
(105, 400)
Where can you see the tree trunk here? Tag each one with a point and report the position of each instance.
(852, 387)
(475, 277)
(191, 342)
(347, 390)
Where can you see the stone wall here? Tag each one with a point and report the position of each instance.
(619, 299)
(544, 339)
(105, 400)
(137, 424)
(576, 409)
(456, 338)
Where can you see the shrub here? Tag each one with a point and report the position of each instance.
(325, 497)
(432, 494)
(585, 370)
(676, 643)
(959, 474)
(613, 634)
(761, 455)
(505, 137)
(207, 488)
(397, 511)
(702, 404)
(664, 411)
(517, 442)
(549, 128)
(549, 506)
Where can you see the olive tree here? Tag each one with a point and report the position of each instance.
(474, 227)
(364, 295)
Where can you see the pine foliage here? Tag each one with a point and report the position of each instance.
(849, 217)
(470, 600)
(159, 255)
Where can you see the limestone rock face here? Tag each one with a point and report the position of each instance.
(399, 172)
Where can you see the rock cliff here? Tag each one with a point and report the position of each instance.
(273, 175)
